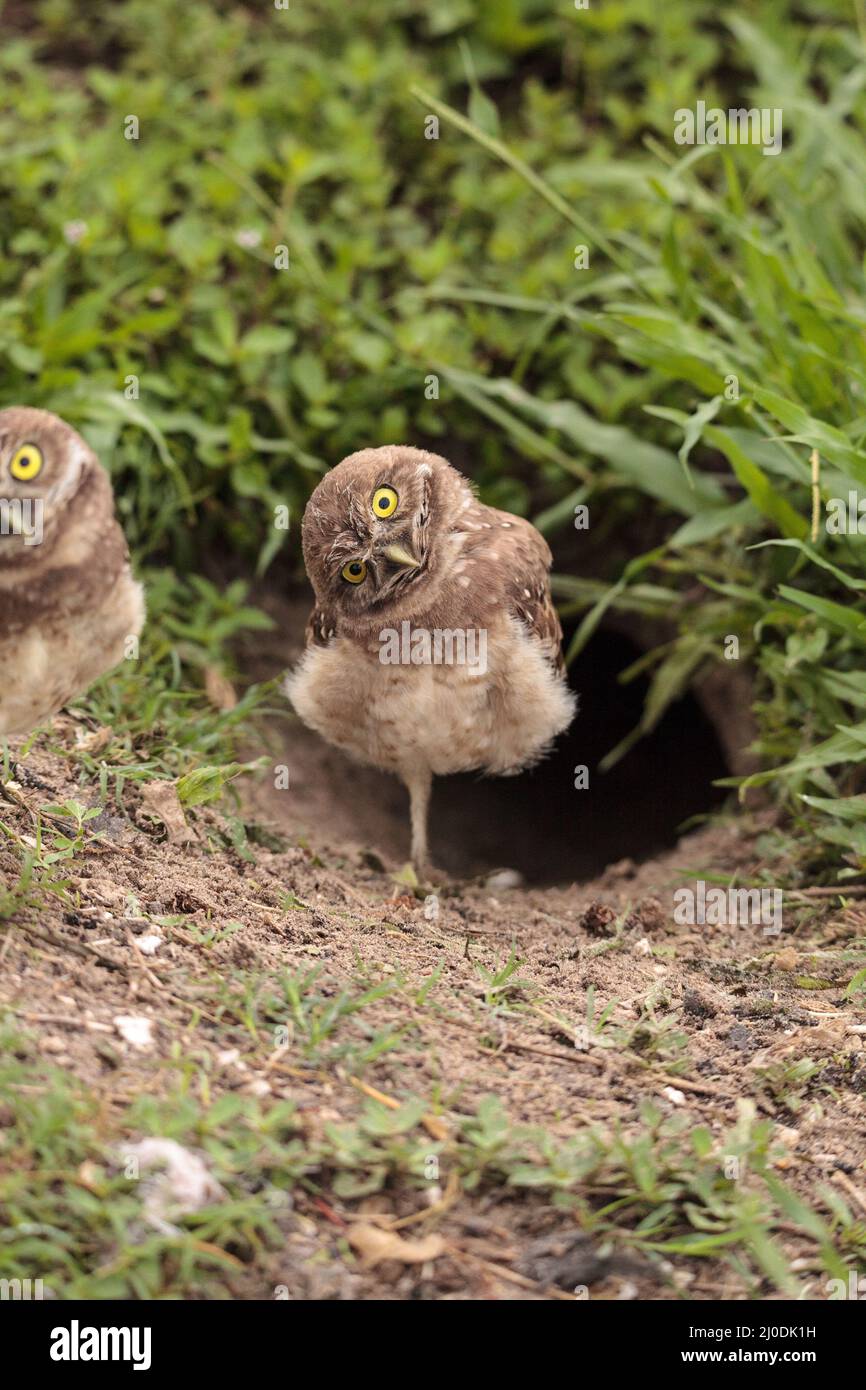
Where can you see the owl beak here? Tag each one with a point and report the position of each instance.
(399, 556)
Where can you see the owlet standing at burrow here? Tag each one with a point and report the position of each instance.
(396, 535)
(68, 601)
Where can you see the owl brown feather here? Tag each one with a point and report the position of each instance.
(438, 561)
(521, 572)
(68, 602)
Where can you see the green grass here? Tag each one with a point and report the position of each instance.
(74, 1218)
(608, 387)
(140, 299)
(740, 303)
(152, 719)
(161, 720)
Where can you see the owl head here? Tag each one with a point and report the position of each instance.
(376, 530)
(43, 465)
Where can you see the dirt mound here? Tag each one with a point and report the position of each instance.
(490, 1067)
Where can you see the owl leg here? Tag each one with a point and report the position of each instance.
(419, 782)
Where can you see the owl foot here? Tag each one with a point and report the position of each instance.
(431, 879)
(499, 881)
(419, 880)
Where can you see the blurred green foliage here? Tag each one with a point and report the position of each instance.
(258, 128)
(454, 257)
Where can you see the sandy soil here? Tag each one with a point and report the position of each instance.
(741, 1000)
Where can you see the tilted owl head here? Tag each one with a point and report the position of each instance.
(43, 465)
(376, 528)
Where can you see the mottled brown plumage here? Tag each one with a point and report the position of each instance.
(68, 602)
(441, 562)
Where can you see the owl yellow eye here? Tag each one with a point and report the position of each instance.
(26, 463)
(355, 572)
(385, 501)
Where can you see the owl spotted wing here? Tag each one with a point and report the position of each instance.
(524, 561)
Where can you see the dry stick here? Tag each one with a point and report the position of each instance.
(474, 933)
(7, 944)
(705, 1088)
(854, 1193)
(701, 1087)
(451, 1195)
(816, 494)
(458, 1253)
(856, 890)
(61, 1021)
(389, 1223)
(78, 948)
(510, 1276)
(512, 1046)
(366, 903)
(371, 1091)
(433, 1125)
(551, 1018)
(155, 981)
(579, 1055)
(298, 1073)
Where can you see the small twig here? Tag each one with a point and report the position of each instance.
(445, 1202)
(366, 903)
(389, 1223)
(145, 969)
(511, 1276)
(855, 890)
(705, 1088)
(433, 1125)
(78, 948)
(61, 1021)
(579, 1053)
(853, 1192)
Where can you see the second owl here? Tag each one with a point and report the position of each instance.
(68, 602)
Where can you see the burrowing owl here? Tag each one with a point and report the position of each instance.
(68, 602)
(434, 646)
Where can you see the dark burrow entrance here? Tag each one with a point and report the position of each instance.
(541, 825)
(537, 822)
